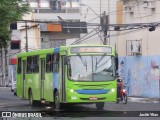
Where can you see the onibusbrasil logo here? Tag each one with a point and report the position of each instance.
(20, 114)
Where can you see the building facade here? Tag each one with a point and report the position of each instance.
(88, 11)
(139, 53)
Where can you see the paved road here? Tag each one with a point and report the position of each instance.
(9, 102)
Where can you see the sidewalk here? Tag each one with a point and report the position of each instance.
(143, 100)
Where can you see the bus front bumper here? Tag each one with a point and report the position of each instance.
(81, 97)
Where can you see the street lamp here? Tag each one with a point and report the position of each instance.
(152, 28)
(117, 28)
(89, 8)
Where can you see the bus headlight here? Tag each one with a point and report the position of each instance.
(112, 89)
(71, 90)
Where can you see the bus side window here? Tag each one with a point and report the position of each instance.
(52, 61)
(35, 64)
(56, 63)
(29, 65)
(19, 66)
(48, 63)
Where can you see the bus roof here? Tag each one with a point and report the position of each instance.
(35, 52)
(55, 50)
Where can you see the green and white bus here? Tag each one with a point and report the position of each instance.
(68, 74)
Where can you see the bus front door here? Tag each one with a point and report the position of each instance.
(63, 79)
(42, 76)
(23, 78)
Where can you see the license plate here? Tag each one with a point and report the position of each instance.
(93, 98)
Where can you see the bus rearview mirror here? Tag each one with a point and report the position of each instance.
(116, 62)
(65, 60)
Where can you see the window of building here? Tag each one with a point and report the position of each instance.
(54, 6)
(13, 26)
(15, 45)
(19, 65)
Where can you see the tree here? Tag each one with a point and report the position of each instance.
(10, 11)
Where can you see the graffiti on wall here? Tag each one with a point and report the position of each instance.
(121, 69)
(155, 75)
(141, 75)
(155, 70)
(128, 81)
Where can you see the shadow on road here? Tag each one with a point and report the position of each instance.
(76, 111)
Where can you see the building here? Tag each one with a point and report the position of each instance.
(138, 50)
(72, 11)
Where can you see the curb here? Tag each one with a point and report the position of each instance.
(144, 100)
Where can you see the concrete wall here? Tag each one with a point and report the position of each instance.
(34, 38)
(141, 73)
(53, 16)
(141, 15)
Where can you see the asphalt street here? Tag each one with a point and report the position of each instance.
(9, 102)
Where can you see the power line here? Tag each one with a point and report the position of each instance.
(99, 36)
(97, 24)
(86, 38)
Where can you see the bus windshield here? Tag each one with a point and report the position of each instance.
(91, 68)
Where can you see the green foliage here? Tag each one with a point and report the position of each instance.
(10, 11)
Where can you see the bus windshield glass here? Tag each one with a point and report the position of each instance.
(91, 68)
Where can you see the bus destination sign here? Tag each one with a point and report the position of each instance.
(87, 49)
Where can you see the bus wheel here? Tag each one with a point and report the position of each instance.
(57, 104)
(31, 101)
(100, 105)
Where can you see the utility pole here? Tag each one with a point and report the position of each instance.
(1, 83)
(104, 25)
(5, 67)
(108, 19)
(26, 27)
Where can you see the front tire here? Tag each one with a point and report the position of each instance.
(31, 101)
(124, 98)
(100, 105)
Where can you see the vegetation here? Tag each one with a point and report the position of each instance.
(10, 11)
